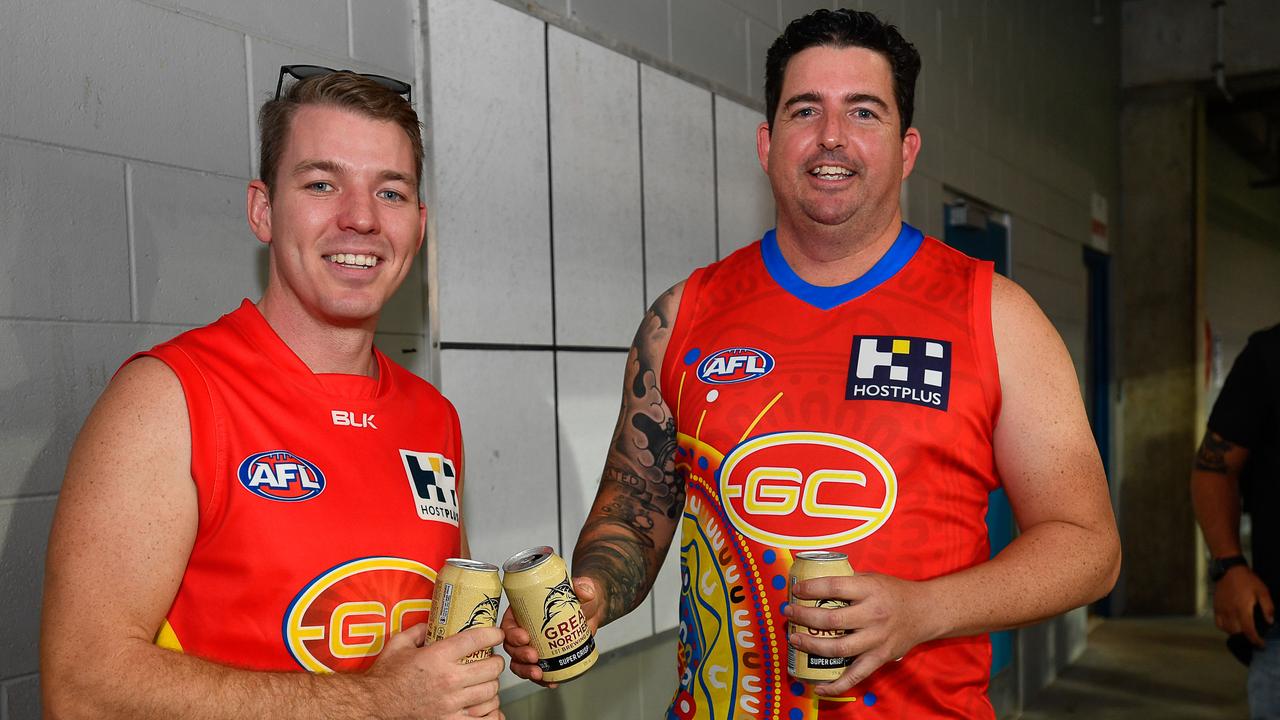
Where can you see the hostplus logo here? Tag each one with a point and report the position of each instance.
(900, 369)
(434, 485)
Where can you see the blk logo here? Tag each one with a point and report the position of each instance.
(900, 369)
(345, 418)
(434, 485)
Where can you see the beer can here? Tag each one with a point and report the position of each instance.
(541, 596)
(806, 565)
(466, 596)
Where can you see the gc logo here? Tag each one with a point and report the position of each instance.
(807, 490)
(340, 621)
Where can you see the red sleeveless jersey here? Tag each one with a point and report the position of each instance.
(327, 502)
(856, 418)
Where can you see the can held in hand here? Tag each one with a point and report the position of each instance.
(541, 596)
(813, 564)
(466, 596)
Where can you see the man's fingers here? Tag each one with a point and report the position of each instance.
(585, 589)
(483, 709)
(523, 654)
(838, 588)
(1268, 608)
(823, 618)
(415, 636)
(479, 694)
(531, 671)
(1244, 623)
(469, 642)
(516, 637)
(508, 620)
(860, 670)
(843, 646)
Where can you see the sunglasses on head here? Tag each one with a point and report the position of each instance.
(302, 72)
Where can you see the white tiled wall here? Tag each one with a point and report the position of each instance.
(742, 194)
(492, 204)
(679, 179)
(595, 191)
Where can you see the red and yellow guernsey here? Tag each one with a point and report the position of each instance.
(856, 418)
(327, 502)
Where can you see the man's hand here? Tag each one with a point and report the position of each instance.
(518, 643)
(1233, 600)
(886, 617)
(414, 680)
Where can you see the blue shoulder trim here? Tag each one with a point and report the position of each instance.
(824, 298)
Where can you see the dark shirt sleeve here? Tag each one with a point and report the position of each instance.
(1242, 409)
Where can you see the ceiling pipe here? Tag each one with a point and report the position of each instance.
(1219, 67)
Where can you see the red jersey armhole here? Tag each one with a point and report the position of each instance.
(689, 297)
(985, 339)
(207, 453)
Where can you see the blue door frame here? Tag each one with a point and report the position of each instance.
(1098, 371)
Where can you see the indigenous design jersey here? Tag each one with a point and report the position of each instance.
(327, 502)
(856, 418)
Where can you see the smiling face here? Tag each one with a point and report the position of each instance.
(836, 156)
(343, 220)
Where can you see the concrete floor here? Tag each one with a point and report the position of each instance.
(1140, 669)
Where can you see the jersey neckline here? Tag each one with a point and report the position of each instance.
(825, 298)
(339, 385)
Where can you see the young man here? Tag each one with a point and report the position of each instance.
(270, 493)
(836, 386)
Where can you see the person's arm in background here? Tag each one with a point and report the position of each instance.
(1215, 492)
(638, 504)
(124, 528)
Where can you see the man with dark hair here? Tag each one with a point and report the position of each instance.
(270, 493)
(835, 385)
(1239, 459)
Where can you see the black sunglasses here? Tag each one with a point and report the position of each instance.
(302, 72)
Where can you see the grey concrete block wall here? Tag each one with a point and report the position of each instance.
(63, 260)
(724, 61)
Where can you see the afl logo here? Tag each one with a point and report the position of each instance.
(341, 620)
(734, 365)
(807, 490)
(281, 475)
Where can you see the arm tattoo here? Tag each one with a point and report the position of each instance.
(1212, 456)
(639, 486)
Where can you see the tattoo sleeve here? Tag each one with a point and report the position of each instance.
(639, 501)
(1212, 456)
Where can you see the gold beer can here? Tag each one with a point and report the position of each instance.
(541, 596)
(466, 596)
(813, 564)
